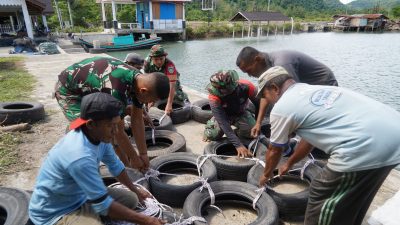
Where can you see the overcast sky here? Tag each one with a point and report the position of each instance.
(346, 1)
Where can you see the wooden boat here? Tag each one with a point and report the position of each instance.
(120, 44)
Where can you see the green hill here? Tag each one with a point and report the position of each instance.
(368, 4)
(299, 9)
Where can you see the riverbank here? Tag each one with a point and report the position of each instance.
(45, 134)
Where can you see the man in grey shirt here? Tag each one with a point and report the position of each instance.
(302, 67)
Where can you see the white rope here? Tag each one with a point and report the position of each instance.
(258, 196)
(255, 142)
(188, 221)
(303, 169)
(162, 117)
(206, 185)
(154, 174)
(153, 138)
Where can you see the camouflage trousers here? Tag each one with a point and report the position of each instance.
(180, 95)
(243, 123)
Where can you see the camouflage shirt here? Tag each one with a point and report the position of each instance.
(168, 68)
(98, 74)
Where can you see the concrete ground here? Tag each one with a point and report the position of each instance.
(45, 69)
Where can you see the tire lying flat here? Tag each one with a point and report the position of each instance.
(180, 113)
(14, 206)
(21, 112)
(165, 142)
(166, 123)
(229, 169)
(201, 111)
(175, 195)
(291, 206)
(234, 192)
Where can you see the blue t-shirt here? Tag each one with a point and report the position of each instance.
(70, 176)
(357, 132)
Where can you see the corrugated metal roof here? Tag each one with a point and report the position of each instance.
(363, 16)
(259, 16)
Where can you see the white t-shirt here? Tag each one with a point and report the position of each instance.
(358, 132)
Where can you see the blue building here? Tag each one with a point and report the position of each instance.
(161, 15)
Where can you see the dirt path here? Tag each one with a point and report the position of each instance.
(37, 142)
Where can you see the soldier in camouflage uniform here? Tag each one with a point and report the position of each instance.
(127, 84)
(158, 62)
(229, 98)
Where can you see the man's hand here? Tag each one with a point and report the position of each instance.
(264, 179)
(145, 161)
(147, 120)
(150, 104)
(142, 194)
(243, 152)
(137, 163)
(154, 221)
(168, 109)
(255, 131)
(283, 169)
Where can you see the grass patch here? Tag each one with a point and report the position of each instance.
(8, 150)
(16, 84)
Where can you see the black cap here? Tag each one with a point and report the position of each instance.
(134, 58)
(97, 106)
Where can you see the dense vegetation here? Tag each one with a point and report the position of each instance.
(87, 13)
(371, 4)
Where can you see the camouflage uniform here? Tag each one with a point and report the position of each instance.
(168, 68)
(93, 75)
(229, 98)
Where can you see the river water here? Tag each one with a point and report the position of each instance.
(365, 62)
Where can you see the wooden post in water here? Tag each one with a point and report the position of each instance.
(243, 29)
(233, 30)
(291, 31)
(248, 32)
(261, 30)
(276, 30)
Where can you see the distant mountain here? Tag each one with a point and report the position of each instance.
(368, 4)
(310, 4)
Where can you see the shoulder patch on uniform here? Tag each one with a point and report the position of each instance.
(171, 69)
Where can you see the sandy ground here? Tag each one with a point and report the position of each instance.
(45, 134)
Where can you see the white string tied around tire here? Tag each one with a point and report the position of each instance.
(152, 207)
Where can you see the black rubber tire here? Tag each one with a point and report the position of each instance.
(178, 162)
(133, 174)
(179, 114)
(319, 154)
(232, 192)
(291, 207)
(21, 112)
(14, 206)
(169, 141)
(166, 123)
(228, 170)
(201, 111)
(97, 50)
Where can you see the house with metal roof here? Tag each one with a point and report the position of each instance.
(259, 18)
(360, 22)
(20, 14)
(152, 16)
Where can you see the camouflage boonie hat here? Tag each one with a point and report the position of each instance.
(223, 82)
(157, 51)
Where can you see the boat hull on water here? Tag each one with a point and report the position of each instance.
(111, 47)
